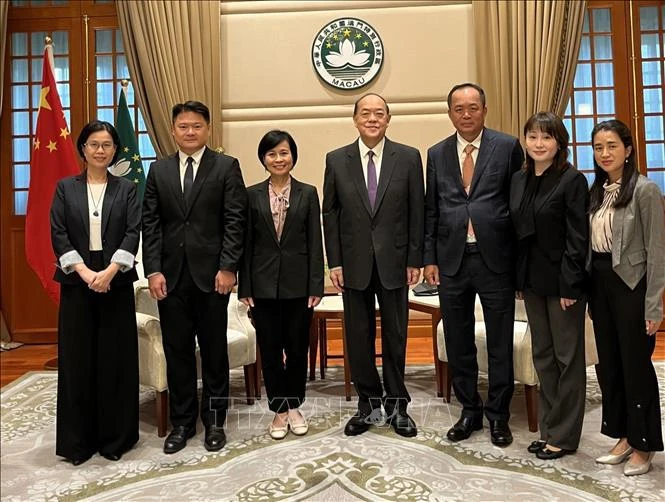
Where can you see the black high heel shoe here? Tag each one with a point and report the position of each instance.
(78, 461)
(112, 456)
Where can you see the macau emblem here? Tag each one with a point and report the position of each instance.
(347, 53)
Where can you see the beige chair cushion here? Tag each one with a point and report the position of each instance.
(152, 363)
(241, 339)
(524, 370)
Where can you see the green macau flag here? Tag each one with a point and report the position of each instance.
(129, 160)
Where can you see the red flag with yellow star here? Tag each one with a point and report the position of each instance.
(53, 157)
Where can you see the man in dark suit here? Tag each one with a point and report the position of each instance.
(373, 225)
(194, 212)
(469, 250)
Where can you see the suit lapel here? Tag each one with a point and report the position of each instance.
(451, 162)
(294, 201)
(387, 167)
(617, 234)
(109, 197)
(355, 169)
(518, 192)
(263, 201)
(82, 202)
(543, 198)
(207, 161)
(484, 155)
(173, 176)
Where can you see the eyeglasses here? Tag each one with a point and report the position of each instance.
(93, 146)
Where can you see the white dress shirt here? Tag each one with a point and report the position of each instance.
(378, 157)
(195, 165)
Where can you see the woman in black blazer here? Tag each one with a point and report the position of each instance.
(548, 203)
(281, 277)
(95, 223)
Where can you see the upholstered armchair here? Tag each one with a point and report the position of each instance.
(152, 363)
(525, 372)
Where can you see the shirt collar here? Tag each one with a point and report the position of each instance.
(196, 156)
(378, 149)
(461, 142)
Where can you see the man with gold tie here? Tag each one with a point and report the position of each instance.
(469, 250)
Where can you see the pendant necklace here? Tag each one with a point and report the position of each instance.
(95, 213)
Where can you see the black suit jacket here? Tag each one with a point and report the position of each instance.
(70, 224)
(556, 254)
(448, 207)
(207, 230)
(291, 267)
(391, 233)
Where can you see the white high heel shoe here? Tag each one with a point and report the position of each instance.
(635, 470)
(611, 459)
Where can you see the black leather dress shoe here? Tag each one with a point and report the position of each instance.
(403, 425)
(112, 456)
(78, 461)
(547, 454)
(536, 446)
(500, 433)
(215, 438)
(464, 427)
(357, 424)
(177, 440)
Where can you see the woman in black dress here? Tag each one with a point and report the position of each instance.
(95, 224)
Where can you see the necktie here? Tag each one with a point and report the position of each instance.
(371, 178)
(467, 176)
(467, 167)
(189, 178)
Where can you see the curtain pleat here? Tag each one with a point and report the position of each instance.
(526, 57)
(173, 54)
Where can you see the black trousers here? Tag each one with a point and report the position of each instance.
(557, 340)
(628, 382)
(188, 314)
(360, 332)
(282, 331)
(98, 372)
(457, 298)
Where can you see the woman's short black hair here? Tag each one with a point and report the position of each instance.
(548, 123)
(96, 126)
(273, 138)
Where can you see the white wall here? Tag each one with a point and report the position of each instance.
(268, 80)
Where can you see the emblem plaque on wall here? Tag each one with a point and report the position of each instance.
(347, 53)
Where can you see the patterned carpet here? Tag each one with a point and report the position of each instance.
(324, 465)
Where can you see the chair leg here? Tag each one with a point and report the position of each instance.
(162, 410)
(531, 395)
(250, 386)
(446, 375)
(257, 375)
(347, 371)
(323, 347)
(313, 345)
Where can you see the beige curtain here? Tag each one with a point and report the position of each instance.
(526, 57)
(173, 55)
(4, 9)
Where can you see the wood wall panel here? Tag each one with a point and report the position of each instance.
(33, 317)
